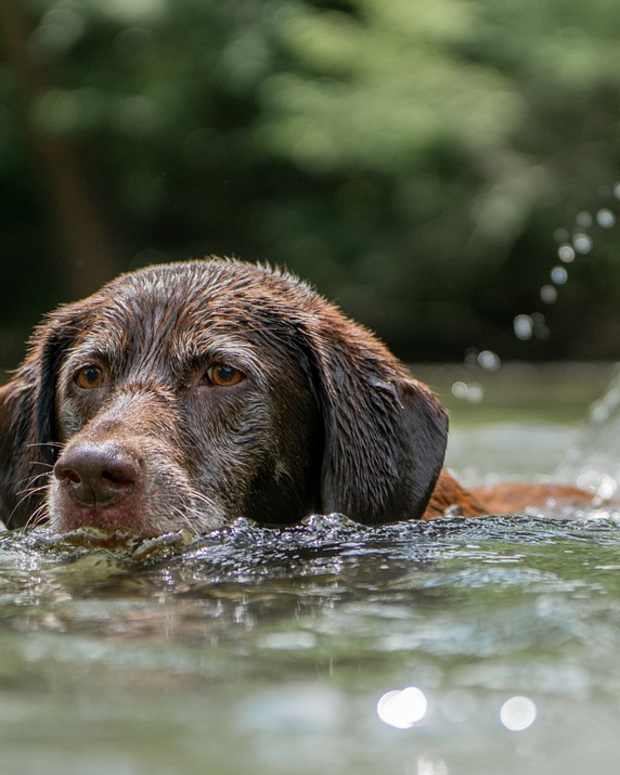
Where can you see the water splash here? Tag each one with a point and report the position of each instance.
(594, 461)
(526, 326)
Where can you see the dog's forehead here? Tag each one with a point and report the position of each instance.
(180, 311)
(194, 299)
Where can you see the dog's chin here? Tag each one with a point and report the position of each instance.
(136, 516)
(131, 517)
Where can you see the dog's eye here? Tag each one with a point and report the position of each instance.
(224, 376)
(89, 377)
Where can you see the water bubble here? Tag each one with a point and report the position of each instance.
(518, 713)
(584, 219)
(566, 253)
(605, 218)
(617, 190)
(549, 294)
(402, 709)
(561, 235)
(523, 326)
(489, 360)
(558, 275)
(582, 243)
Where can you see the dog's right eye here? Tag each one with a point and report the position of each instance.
(89, 377)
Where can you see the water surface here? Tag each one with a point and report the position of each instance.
(261, 651)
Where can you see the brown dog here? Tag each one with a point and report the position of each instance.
(188, 394)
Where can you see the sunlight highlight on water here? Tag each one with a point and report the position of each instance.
(518, 713)
(402, 709)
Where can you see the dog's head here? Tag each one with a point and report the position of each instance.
(189, 394)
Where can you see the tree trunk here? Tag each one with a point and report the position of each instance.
(83, 238)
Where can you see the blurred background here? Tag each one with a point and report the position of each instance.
(438, 167)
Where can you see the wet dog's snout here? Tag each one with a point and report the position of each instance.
(98, 474)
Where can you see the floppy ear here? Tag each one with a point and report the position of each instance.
(385, 433)
(28, 419)
(16, 400)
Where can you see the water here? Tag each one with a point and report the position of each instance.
(274, 652)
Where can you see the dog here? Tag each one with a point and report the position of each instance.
(185, 395)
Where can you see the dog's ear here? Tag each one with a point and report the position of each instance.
(16, 469)
(28, 417)
(385, 433)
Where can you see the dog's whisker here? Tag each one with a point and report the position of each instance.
(31, 482)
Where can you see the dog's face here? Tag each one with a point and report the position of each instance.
(189, 394)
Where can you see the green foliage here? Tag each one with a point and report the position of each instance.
(413, 159)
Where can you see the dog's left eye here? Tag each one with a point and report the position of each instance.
(89, 377)
(224, 376)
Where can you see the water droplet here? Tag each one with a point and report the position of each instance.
(473, 393)
(582, 243)
(566, 253)
(559, 275)
(518, 713)
(584, 219)
(605, 218)
(523, 327)
(549, 294)
(617, 190)
(489, 360)
(459, 390)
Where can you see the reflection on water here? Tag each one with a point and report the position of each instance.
(402, 708)
(518, 713)
(460, 646)
(409, 647)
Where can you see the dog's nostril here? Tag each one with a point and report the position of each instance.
(63, 472)
(120, 474)
(97, 474)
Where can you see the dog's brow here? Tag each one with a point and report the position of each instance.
(222, 349)
(95, 351)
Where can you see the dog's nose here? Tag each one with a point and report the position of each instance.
(97, 474)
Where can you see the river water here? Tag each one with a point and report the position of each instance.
(457, 647)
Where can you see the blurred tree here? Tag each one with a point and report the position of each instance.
(81, 232)
(413, 159)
